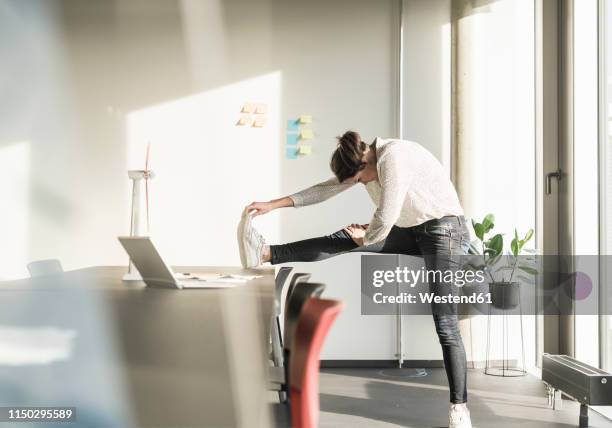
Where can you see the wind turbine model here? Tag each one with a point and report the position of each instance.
(137, 176)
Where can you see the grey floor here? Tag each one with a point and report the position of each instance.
(385, 398)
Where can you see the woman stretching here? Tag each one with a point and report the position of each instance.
(418, 213)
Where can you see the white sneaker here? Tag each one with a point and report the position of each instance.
(239, 235)
(250, 242)
(459, 416)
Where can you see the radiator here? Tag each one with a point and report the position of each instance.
(588, 385)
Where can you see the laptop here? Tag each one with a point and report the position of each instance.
(156, 273)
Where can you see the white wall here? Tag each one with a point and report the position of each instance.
(86, 85)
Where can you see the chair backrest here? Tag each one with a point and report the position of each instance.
(297, 278)
(45, 267)
(279, 283)
(302, 291)
(315, 321)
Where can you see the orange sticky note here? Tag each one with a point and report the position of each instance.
(248, 108)
(261, 109)
(260, 122)
(245, 120)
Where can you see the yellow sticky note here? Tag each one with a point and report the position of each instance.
(245, 120)
(305, 150)
(261, 109)
(305, 118)
(248, 108)
(260, 122)
(306, 134)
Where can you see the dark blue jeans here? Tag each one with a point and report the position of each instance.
(434, 240)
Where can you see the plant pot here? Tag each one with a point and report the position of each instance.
(505, 295)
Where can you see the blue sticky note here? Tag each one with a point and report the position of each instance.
(291, 153)
(293, 125)
(292, 139)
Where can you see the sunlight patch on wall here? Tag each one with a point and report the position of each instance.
(445, 102)
(207, 168)
(14, 217)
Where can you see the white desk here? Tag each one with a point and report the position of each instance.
(136, 356)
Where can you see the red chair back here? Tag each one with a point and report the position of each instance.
(315, 320)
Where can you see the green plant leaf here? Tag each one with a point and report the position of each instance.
(528, 235)
(496, 243)
(514, 247)
(488, 222)
(493, 260)
(478, 230)
(490, 252)
(473, 250)
(528, 269)
(515, 244)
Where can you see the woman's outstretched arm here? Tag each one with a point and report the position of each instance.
(312, 195)
(319, 192)
(258, 208)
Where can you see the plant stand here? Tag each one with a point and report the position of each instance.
(505, 369)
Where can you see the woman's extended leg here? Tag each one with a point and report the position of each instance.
(311, 250)
(398, 241)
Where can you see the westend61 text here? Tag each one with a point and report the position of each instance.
(476, 298)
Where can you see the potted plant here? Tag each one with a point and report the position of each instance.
(502, 268)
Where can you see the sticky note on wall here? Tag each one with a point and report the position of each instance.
(306, 134)
(305, 118)
(305, 150)
(260, 122)
(292, 139)
(291, 153)
(292, 125)
(245, 120)
(248, 108)
(261, 109)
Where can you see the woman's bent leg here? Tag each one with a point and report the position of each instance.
(314, 249)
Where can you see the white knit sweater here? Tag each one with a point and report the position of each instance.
(412, 188)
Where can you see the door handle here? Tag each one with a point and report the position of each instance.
(557, 174)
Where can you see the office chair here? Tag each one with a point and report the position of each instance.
(316, 318)
(277, 373)
(302, 292)
(297, 278)
(275, 328)
(45, 267)
(275, 332)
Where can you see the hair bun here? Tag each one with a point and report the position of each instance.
(347, 158)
